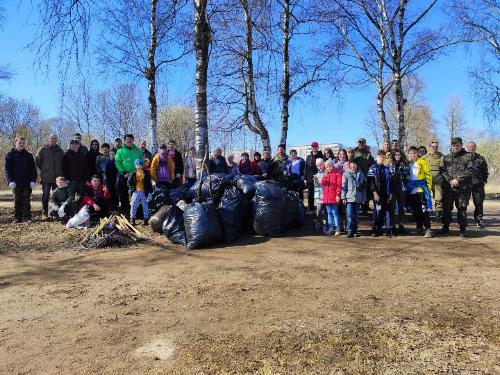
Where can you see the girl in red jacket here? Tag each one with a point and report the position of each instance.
(332, 188)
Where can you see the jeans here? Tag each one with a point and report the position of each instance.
(46, 188)
(379, 214)
(352, 217)
(22, 202)
(332, 211)
(478, 200)
(139, 198)
(417, 202)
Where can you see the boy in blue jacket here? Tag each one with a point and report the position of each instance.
(379, 185)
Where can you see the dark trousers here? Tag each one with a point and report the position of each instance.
(191, 180)
(420, 213)
(397, 206)
(22, 202)
(478, 196)
(380, 210)
(46, 188)
(76, 188)
(310, 195)
(461, 201)
(123, 195)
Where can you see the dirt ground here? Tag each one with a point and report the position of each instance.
(301, 304)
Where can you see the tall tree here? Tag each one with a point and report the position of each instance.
(454, 117)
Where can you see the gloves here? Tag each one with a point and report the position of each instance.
(12, 185)
(60, 211)
(32, 184)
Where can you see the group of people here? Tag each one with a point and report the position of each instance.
(120, 177)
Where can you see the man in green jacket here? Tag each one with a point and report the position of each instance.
(479, 179)
(435, 161)
(125, 164)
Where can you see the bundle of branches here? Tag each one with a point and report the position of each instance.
(113, 231)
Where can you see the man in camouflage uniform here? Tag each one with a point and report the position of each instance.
(456, 173)
(435, 160)
(365, 160)
(479, 179)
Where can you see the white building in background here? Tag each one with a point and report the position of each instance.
(305, 150)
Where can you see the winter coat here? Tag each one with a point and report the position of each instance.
(59, 197)
(162, 169)
(364, 159)
(480, 171)
(111, 175)
(399, 175)
(20, 167)
(332, 187)
(318, 188)
(91, 196)
(217, 164)
(179, 164)
(100, 164)
(49, 161)
(245, 167)
(131, 183)
(125, 158)
(278, 167)
(373, 178)
(91, 162)
(310, 168)
(75, 166)
(256, 168)
(190, 167)
(457, 166)
(233, 169)
(353, 186)
(265, 166)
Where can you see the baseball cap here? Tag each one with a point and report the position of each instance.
(362, 140)
(456, 140)
(314, 144)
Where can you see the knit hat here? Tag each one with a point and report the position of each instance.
(139, 161)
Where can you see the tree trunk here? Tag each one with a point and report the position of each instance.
(150, 74)
(202, 39)
(285, 94)
(381, 111)
(400, 103)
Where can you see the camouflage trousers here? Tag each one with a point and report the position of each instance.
(461, 201)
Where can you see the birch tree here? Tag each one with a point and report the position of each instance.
(454, 117)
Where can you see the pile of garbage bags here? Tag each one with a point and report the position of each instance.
(221, 208)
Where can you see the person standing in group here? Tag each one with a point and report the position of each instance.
(342, 164)
(479, 179)
(435, 161)
(399, 176)
(217, 163)
(332, 189)
(148, 156)
(295, 167)
(379, 186)
(82, 149)
(353, 194)
(118, 143)
(255, 164)
(190, 166)
(49, 160)
(125, 164)
(328, 155)
(421, 151)
(278, 163)
(350, 154)
(419, 186)
(92, 156)
(111, 179)
(20, 172)
(163, 168)
(310, 172)
(232, 166)
(365, 160)
(321, 217)
(456, 171)
(386, 146)
(245, 165)
(102, 160)
(75, 169)
(140, 187)
(265, 164)
(178, 162)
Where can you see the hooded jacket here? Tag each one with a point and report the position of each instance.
(125, 158)
(75, 166)
(20, 167)
(353, 186)
(332, 186)
(162, 168)
(49, 161)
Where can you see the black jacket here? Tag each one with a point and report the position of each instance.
(217, 164)
(20, 167)
(179, 163)
(480, 171)
(91, 162)
(311, 168)
(111, 175)
(75, 166)
(148, 186)
(457, 166)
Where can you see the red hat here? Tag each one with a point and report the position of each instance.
(314, 144)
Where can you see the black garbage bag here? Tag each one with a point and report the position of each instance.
(173, 226)
(175, 195)
(232, 214)
(202, 225)
(246, 184)
(156, 221)
(294, 210)
(269, 218)
(218, 181)
(159, 198)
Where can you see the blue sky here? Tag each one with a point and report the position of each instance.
(322, 118)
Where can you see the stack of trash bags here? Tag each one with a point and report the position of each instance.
(221, 208)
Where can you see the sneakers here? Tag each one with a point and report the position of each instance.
(375, 234)
(350, 235)
(356, 234)
(17, 221)
(480, 223)
(145, 222)
(337, 233)
(330, 231)
(462, 234)
(444, 230)
(420, 230)
(428, 233)
(402, 230)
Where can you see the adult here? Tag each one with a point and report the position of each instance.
(255, 164)
(148, 156)
(350, 154)
(112, 179)
(245, 165)
(92, 155)
(177, 158)
(479, 179)
(365, 160)
(232, 166)
(386, 146)
(310, 171)
(435, 160)
(82, 149)
(265, 164)
(456, 172)
(102, 159)
(190, 166)
(394, 145)
(217, 163)
(295, 168)
(277, 171)
(118, 143)
(20, 172)
(421, 151)
(163, 168)
(49, 160)
(74, 168)
(125, 164)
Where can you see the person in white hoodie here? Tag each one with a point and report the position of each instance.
(353, 194)
(321, 217)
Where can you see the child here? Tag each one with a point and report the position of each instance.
(332, 186)
(139, 187)
(379, 185)
(61, 203)
(102, 159)
(419, 186)
(318, 195)
(399, 176)
(353, 194)
(97, 197)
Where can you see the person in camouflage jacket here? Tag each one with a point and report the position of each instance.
(479, 179)
(435, 160)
